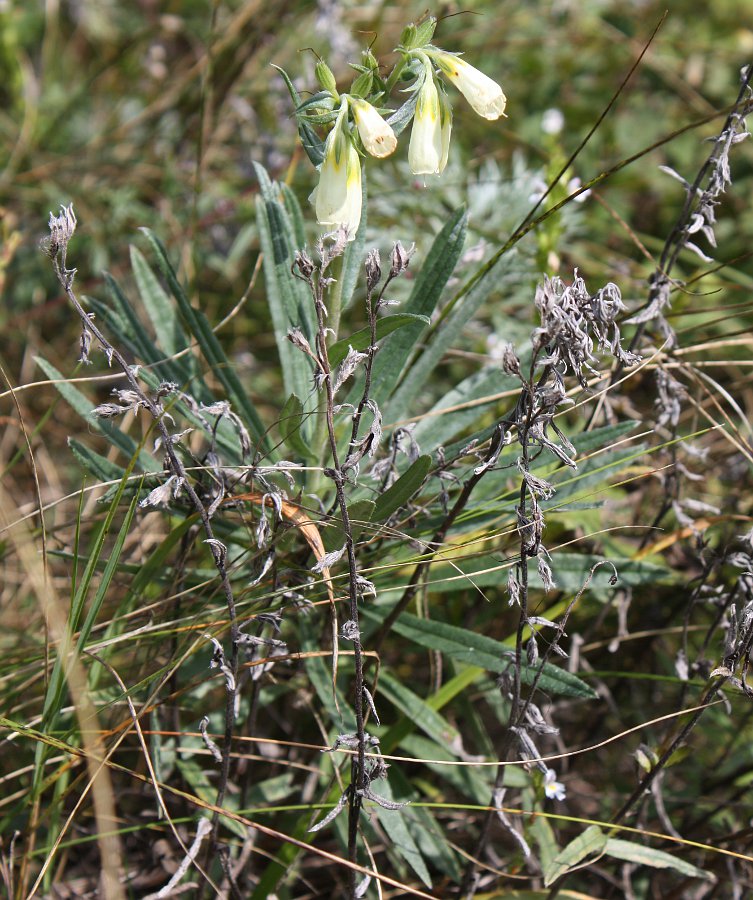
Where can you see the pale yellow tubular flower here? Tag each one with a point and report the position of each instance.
(485, 95)
(425, 151)
(338, 194)
(378, 138)
(445, 117)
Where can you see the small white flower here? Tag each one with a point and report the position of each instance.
(338, 194)
(485, 95)
(575, 184)
(427, 153)
(377, 136)
(553, 789)
(553, 121)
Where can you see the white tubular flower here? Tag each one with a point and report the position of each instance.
(426, 152)
(377, 136)
(484, 95)
(445, 117)
(338, 194)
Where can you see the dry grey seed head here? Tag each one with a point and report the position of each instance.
(304, 264)
(400, 258)
(373, 270)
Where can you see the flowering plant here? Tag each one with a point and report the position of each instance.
(358, 127)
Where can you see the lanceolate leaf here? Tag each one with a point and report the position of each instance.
(591, 842)
(196, 323)
(507, 271)
(94, 462)
(402, 490)
(361, 339)
(290, 302)
(83, 406)
(420, 713)
(480, 650)
(360, 513)
(431, 281)
(657, 859)
(395, 823)
(290, 427)
(312, 143)
(445, 419)
(161, 312)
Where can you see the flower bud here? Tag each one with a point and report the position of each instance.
(325, 77)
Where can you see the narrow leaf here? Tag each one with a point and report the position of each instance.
(480, 650)
(83, 406)
(431, 281)
(312, 143)
(102, 468)
(589, 843)
(507, 272)
(196, 323)
(402, 490)
(395, 824)
(290, 302)
(361, 339)
(162, 314)
(290, 427)
(657, 859)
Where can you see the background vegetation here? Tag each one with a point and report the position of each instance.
(154, 115)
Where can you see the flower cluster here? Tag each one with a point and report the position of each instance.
(359, 128)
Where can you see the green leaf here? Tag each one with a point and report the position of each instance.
(420, 714)
(197, 779)
(196, 323)
(587, 441)
(162, 314)
(402, 490)
(570, 571)
(394, 822)
(312, 143)
(506, 273)
(401, 118)
(543, 833)
(290, 424)
(439, 424)
(83, 406)
(55, 692)
(657, 859)
(93, 462)
(359, 513)
(360, 340)
(295, 215)
(119, 315)
(589, 843)
(431, 281)
(483, 651)
(290, 302)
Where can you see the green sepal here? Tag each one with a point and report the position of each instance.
(361, 87)
(416, 36)
(312, 143)
(325, 77)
